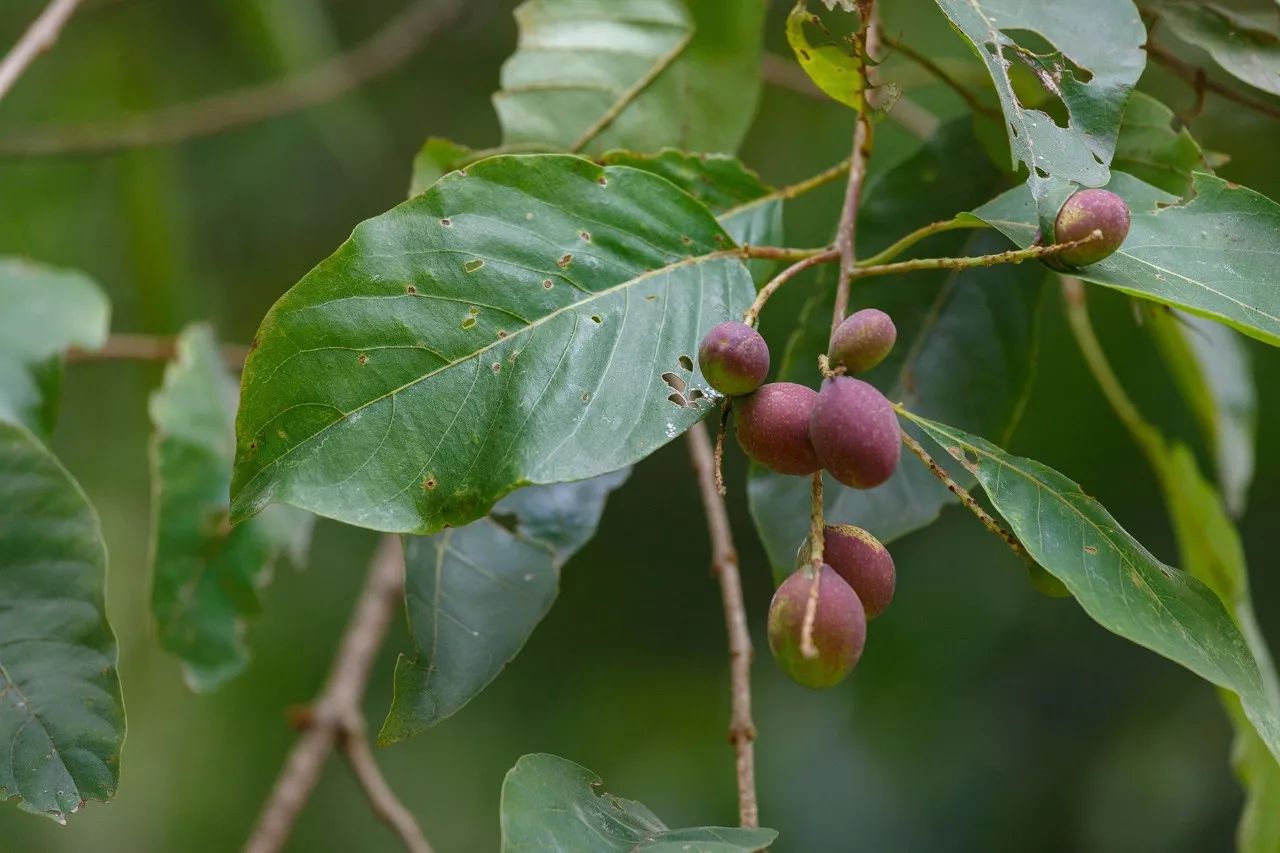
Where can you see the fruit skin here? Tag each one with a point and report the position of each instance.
(855, 432)
(861, 560)
(773, 427)
(863, 340)
(839, 629)
(1080, 215)
(734, 358)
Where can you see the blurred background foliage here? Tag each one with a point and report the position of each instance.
(984, 717)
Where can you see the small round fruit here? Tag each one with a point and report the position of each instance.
(1083, 213)
(861, 560)
(854, 432)
(839, 629)
(734, 358)
(863, 340)
(773, 427)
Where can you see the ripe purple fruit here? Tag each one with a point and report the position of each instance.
(854, 432)
(861, 560)
(734, 358)
(839, 628)
(863, 340)
(773, 427)
(1082, 214)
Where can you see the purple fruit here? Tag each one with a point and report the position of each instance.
(1082, 214)
(863, 340)
(861, 560)
(734, 358)
(773, 427)
(854, 432)
(839, 628)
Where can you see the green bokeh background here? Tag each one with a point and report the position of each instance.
(984, 717)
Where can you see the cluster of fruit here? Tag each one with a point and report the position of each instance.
(847, 428)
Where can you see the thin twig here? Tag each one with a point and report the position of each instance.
(719, 453)
(752, 314)
(1197, 78)
(846, 231)
(943, 77)
(817, 538)
(130, 347)
(39, 37)
(965, 498)
(724, 565)
(916, 236)
(1013, 256)
(791, 191)
(381, 53)
(335, 719)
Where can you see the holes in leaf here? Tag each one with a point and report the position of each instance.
(446, 222)
(502, 333)
(410, 289)
(697, 394)
(508, 521)
(678, 399)
(651, 298)
(586, 396)
(473, 265)
(496, 367)
(676, 383)
(564, 261)
(686, 362)
(1090, 549)
(546, 283)
(686, 239)
(469, 323)
(602, 181)
(429, 482)
(595, 318)
(362, 358)
(585, 236)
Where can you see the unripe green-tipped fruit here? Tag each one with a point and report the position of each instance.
(1083, 213)
(773, 427)
(861, 560)
(734, 358)
(863, 340)
(854, 432)
(839, 629)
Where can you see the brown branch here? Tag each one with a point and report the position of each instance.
(724, 565)
(752, 314)
(817, 539)
(965, 498)
(381, 53)
(39, 37)
(335, 719)
(130, 347)
(1201, 82)
(943, 77)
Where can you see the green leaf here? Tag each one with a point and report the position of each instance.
(475, 594)
(550, 803)
(1214, 255)
(1211, 368)
(745, 206)
(532, 321)
(590, 75)
(1120, 584)
(436, 158)
(834, 70)
(1246, 46)
(61, 717)
(205, 574)
(1150, 149)
(1093, 60)
(965, 353)
(46, 311)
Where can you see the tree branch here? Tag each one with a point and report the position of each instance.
(39, 37)
(381, 53)
(131, 347)
(757, 305)
(1201, 82)
(944, 78)
(724, 565)
(335, 719)
(1013, 256)
(888, 254)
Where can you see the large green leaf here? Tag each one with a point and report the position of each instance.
(205, 574)
(1247, 46)
(1094, 59)
(61, 718)
(1211, 368)
(550, 803)
(591, 75)
(1151, 149)
(1214, 255)
(45, 312)
(1117, 581)
(965, 353)
(531, 321)
(475, 594)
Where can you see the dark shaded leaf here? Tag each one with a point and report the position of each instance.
(1246, 46)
